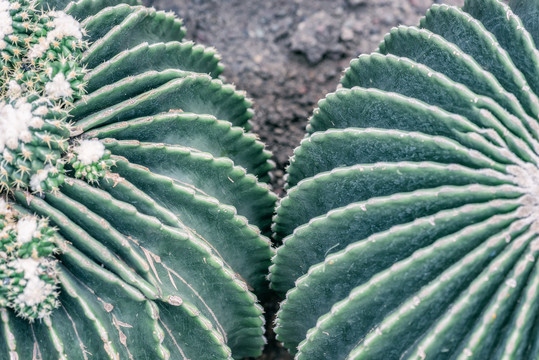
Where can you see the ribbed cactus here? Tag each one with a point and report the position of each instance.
(410, 228)
(133, 206)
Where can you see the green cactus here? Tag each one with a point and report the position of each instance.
(133, 203)
(27, 267)
(410, 227)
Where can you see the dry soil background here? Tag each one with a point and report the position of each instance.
(287, 54)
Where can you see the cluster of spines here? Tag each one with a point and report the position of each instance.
(32, 158)
(40, 79)
(39, 47)
(90, 160)
(27, 268)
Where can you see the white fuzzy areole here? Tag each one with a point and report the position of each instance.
(15, 121)
(6, 27)
(64, 25)
(37, 178)
(14, 89)
(26, 227)
(58, 87)
(89, 151)
(36, 290)
(41, 110)
(526, 177)
(28, 266)
(4, 207)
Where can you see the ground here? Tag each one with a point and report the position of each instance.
(288, 54)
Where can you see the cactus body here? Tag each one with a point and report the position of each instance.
(410, 228)
(131, 174)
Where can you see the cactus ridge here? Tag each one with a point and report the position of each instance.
(193, 93)
(173, 55)
(202, 132)
(85, 8)
(375, 145)
(140, 25)
(193, 207)
(185, 272)
(402, 278)
(147, 260)
(205, 172)
(360, 182)
(347, 223)
(384, 110)
(410, 224)
(400, 241)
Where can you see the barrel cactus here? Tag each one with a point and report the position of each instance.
(410, 226)
(133, 203)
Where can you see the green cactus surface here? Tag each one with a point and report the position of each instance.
(134, 209)
(411, 225)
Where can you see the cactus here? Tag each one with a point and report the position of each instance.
(133, 203)
(410, 226)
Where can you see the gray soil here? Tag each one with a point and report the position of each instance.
(288, 54)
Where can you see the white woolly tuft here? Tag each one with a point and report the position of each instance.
(7, 156)
(26, 227)
(35, 292)
(14, 89)
(64, 25)
(28, 265)
(37, 178)
(4, 207)
(14, 123)
(41, 111)
(58, 87)
(89, 151)
(6, 27)
(38, 49)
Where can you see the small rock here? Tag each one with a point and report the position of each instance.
(258, 58)
(347, 33)
(259, 32)
(316, 36)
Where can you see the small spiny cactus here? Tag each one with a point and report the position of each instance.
(410, 229)
(27, 266)
(133, 203)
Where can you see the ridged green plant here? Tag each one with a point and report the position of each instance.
(410, 227)
(133, 203)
